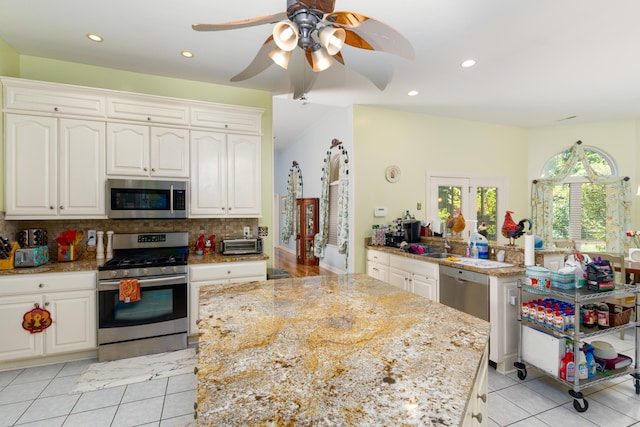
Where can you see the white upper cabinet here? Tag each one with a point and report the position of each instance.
(225, 175)
(53, 167)
(228, 118)
(139, 150)
(147, 109)
(25, 95)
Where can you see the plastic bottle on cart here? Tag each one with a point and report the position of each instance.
(583, 370)
(567, 367)
(591, 360)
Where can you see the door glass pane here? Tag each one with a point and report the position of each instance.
(487, 204)
(449, 202)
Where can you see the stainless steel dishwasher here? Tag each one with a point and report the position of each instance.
(465, 290)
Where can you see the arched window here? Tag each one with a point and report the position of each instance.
(587, 199)
(579, 205)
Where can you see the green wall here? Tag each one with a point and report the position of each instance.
(35, 68)
(419, 144)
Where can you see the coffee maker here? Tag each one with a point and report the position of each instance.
(411, 230)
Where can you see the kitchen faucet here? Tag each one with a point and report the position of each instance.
(446, 245)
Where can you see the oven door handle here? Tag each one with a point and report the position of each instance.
(107, 285)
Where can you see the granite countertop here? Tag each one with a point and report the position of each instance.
(498, 272)
(344, 350)
(92, 264)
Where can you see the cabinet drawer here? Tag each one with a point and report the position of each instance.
(377, 256)
(53, 101)
(153, 111)
(53, 282)
(227, 270)
(238, 119)
(425, 268)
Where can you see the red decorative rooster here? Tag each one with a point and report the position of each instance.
(511, 230)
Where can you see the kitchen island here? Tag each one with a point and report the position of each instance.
(344, 350)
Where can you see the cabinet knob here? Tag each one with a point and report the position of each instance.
(46, 304)
(51, 207)
(195, 370)
(222, 208)
(153, 169)
(145, 169)
(149, 119)
(61, 207)
(229, 208)
(228, 271)
(55, 108)
(477, 417)
(226, 126)
(483, 397)
(41, 285)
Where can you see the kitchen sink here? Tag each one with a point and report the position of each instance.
(437, 255)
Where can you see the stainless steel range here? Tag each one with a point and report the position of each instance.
(157, 322)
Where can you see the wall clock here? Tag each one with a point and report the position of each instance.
(392, 173)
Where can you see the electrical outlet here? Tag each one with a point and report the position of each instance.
(246, 231)
(91, 238)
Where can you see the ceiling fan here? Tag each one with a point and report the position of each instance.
(320, 33)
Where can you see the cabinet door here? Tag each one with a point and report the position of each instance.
(378, 271)
(243, 174)
(240, 119)
(48, 98)
(31, 165)
(127, 149)
(74, 321)
(141, 108)
(425, 286)
(16, 342)
(81, 167)
(208, 174)
(398, 278)
(169, 152)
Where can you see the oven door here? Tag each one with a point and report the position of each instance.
(162, 308)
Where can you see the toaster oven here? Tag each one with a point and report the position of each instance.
(241, 246)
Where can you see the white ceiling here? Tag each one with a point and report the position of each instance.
(538, 61)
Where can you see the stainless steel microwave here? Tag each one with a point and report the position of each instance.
(139, 199)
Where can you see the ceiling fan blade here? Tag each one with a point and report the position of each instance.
(380, 75)
(368, 33)
(270, 19)
(325, 6)
(260, 62)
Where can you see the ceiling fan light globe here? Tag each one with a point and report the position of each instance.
(280, 57)
(285, 35)
(332, 39)
(321, 58)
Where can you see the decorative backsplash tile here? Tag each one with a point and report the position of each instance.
(221, 227)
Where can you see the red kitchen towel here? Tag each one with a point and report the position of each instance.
(129, 290)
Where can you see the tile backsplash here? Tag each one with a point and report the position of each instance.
(222, 228)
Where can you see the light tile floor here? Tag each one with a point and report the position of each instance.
(43, 396)
(541, 401)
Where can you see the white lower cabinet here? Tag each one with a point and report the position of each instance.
(219, 274)
(71, 300)
(477, 413)
(503, 313)
(378, 265)
(419, 277)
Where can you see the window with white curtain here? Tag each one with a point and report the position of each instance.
(579, 205)
(333, 200)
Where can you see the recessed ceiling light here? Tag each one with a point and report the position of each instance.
(468, 63)
(94, 37)
(187, 54)
(412, 93)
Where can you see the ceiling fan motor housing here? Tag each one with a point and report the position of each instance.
(307, 21)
